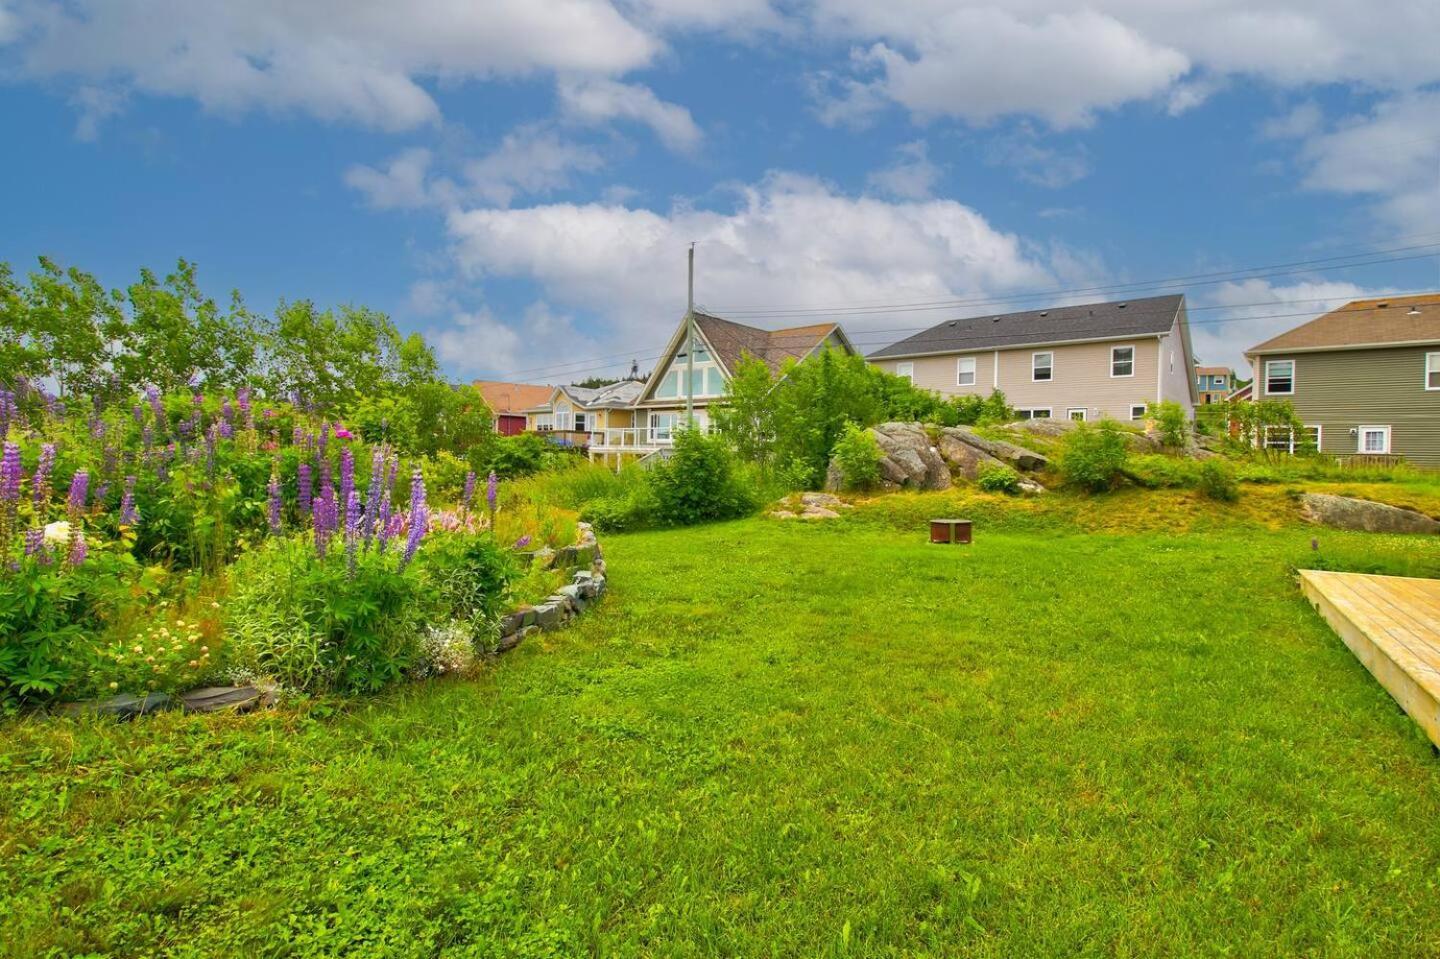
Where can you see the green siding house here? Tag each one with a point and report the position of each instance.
(1364, 379)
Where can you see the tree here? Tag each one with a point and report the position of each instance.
(70, 320)
(747, 417)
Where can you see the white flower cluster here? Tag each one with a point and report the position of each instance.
(447, 648)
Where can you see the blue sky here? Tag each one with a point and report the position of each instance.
(519, 180)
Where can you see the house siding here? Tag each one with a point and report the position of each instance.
(1081, 380)
(1177, 379)
(1341, 390)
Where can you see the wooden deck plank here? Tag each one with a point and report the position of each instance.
(1392, 625)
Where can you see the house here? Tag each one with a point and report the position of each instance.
(1082, 362)
(1364, 378)
(579, 416)
(509, 401)
(1213, 383)
(659, 408)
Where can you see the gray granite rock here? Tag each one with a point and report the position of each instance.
(212, 699)
(124, 706)
(1363, 515)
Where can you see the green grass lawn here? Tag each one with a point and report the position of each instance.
(790, 740)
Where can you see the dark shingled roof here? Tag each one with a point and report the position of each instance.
(1088, 321)
(1377, 322)
(733, 340)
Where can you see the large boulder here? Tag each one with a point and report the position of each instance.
(1045, 427)
(1016, 456)
(908, 461)
(966, 458)
(1344, 512)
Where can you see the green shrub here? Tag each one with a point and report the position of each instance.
(512, 456)
(858, 457)
(468, 579)
(699, 483)
(311, 624)
(1171, 423)
(998, 478)
(1094, 457)
(1217, 480)
(1156, 471)
(617, 514)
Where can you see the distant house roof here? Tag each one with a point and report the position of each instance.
(732, 340)
(1383, 321)
(620, 396)
(1150, 316)
(512, 397)
(1213, 371)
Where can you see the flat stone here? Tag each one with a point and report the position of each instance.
(211, 699)
(782, 514)
(1363, 515)
(1017, 456)
(826, 500)
(547, 615)
(508, 642)
(819, 512)
(124, 706)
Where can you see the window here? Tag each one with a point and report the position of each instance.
(906, 370)
(1042, 367)
(1280, 377)
(1172, 362)
(1432, 371)
(1137, 411)
(662, 426)
(1283, 439)
(1374, 439)
(1034, 413)
(714, 382)
(1122, 361)
(544, 422)
(1076, 414)
(670, 386)
(965, 371)
(562, 419)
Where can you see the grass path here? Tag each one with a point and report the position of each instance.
(788, 740)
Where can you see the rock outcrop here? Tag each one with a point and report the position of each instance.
(998, 450)
(1363, 515)
(909, 460)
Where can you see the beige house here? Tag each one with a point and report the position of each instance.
(1079, 362)
(579, 416)
(659, 408)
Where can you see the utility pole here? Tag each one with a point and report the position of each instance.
(690, 344)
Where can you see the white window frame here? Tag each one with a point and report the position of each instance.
(544, 422)
(1268, 390)
(906, 370)
(562, 421)
(1360, 440)
(1432, 368)
(1142, 407)
(1083, 417)
(1030, 412)
(1050, 368)
(1113, 351)
(960, 371)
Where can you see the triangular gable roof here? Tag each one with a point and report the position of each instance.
(729, 342)
(1383, 321)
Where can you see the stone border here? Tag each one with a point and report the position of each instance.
(567, 602)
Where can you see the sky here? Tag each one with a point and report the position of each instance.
(519, 180)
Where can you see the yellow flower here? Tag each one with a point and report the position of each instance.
(114, 685)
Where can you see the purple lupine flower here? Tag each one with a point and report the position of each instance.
(274, 505)
(10, 473)
(304, 490)
(347, 474)
(7, 411)
(297, 435)
(156, 406)
(469, 495)
(417, 490)
(79, 495)
(389, 522)
(138, 412)
(492, 491)
(523, 541)
(147, 437)
(227, 412)
(97, 428)
(418, 519)
(101, 492)
(320, 520)
(128, 514)
(227, 430)
(40, 484)
(34, 541)
(352, 530)
(242, 398)
(78, 549)
(324, 439)
(372, 495)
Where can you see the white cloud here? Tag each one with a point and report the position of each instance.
(358, 61)
(96, 105)
(789, 240)
(478, 343)
(1301, 121)
(600, 101)
(1022, 153)
(911, 177)
(1250, 312)
(532, 159)
(1391, 154)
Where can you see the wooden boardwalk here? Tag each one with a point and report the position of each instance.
(1392, 625)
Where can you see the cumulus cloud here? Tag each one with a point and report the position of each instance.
(403, 184)
(600, 101)
(1391, 154)
(911, 177)
(1236, 316)
(478, 343)
(358, 61)
(788, 241)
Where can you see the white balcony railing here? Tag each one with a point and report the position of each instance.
(636, 439)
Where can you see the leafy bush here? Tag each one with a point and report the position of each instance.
(699, 483)
(469, 579)
(1094, 457)
(1171, 423)
(312, 624)
(858, 457)
(998, 478)
(447, 648)
(49, 614)
(512, 456)
(1157, 471)
(1217, 480)
(616, 514)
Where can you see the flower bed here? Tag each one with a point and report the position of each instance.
(159, 544)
